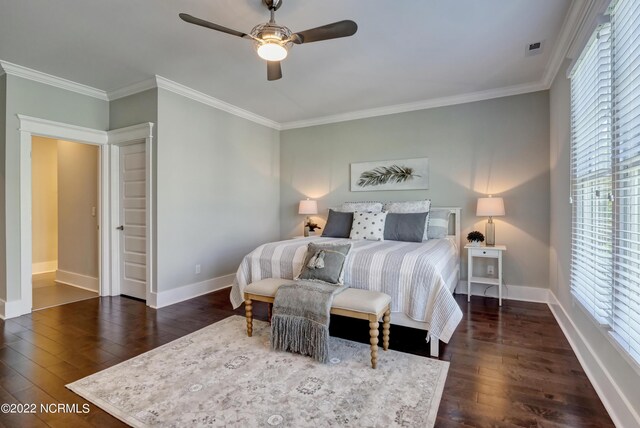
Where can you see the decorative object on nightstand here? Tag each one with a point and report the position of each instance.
(475, 238)
(490, 207)
(308, 207)
(495, 253)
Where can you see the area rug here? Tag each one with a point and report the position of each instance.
(218, 376)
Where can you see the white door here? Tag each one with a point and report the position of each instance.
(133, 257)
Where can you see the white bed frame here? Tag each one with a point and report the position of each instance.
(398, 318)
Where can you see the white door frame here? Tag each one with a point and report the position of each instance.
(118, 138)
(108, 143)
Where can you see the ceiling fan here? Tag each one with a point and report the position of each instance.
(273, 41)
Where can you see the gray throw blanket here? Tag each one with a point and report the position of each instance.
(300, 318)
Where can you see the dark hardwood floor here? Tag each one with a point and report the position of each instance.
(510, 366)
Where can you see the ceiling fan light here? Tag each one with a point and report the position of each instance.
(272, 51)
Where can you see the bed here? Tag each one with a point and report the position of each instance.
(419, 277)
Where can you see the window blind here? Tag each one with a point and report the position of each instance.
(625, 30)
(591, 184)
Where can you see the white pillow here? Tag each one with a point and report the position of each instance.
(423, 206)
(368, 226)
(368, 206)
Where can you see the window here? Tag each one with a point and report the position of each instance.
(605, 176)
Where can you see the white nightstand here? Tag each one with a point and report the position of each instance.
(494, 252)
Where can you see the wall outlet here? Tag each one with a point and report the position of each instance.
(197, 269)
(93, 211)
(490, 270)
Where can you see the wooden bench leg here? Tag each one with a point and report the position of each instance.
(248, 307)
(386, 323)
(269, 310)
(373, 333)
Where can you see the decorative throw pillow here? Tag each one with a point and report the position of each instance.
(422, 206)
(369, 226)
(338, 224)
(324, 262)
(438, 224)
(407, 227)
(369, 206)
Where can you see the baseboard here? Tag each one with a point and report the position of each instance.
(509, 292)
(186, 292)
(619, 407)
(44, 267)
(13, 309)
(78, 280)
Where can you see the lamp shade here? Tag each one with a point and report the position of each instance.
(490, 207)
(308, 207)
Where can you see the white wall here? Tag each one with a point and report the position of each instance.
(77, 198)
(617, 379)
(217, 190)
(498, 146)
(44, 207)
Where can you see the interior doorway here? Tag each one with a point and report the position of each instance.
(65, 227)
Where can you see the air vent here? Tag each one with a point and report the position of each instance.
(534, 48)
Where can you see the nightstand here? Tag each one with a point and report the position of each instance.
(494, 252)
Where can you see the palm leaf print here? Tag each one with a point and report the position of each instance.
(386, 174)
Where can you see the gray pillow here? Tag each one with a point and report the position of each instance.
(408, 227)
(438, 224)
(338, 224)
(324, 262)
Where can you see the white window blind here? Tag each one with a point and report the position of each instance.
(625, 24)
(605, 176)
(591, 177)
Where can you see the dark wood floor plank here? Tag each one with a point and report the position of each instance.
(509, 366)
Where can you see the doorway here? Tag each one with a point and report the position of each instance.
(109, 144)
(65, 239)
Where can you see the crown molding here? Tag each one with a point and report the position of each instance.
(135, 88)
(203, 98)
(48, 79)
(580, 15)
(419, 105)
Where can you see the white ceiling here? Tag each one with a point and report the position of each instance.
(405, 51)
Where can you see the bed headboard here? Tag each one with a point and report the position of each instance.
(454, 224)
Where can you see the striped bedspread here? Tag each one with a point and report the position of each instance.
(416, 275)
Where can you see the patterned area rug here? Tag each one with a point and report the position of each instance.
(218, 376)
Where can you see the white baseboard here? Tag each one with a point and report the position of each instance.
(77, 280)
(186, 292)
(619, 407)
(44, 267)
(509, 292)
(13, 309)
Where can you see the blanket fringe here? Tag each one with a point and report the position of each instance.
(301, 335)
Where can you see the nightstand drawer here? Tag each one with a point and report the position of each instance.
(484, 252)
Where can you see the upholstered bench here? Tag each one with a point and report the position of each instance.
(352, 302)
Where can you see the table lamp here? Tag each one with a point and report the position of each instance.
(307, 207)
(490, 207)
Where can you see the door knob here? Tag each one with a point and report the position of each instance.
(120, 227)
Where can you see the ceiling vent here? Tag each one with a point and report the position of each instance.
(534, 48)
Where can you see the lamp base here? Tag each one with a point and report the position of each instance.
(306, 227)
(490, 233)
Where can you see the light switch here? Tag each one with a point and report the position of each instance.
(93, 211)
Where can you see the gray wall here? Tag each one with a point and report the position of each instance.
(77, 195)
(3, 248)
(47, 102)
(620, 371)
(218, 194)
(498, 146)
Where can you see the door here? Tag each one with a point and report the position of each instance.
(133, 215)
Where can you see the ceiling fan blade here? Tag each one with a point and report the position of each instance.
(201, 22)
(330, 31)
(274, 70)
